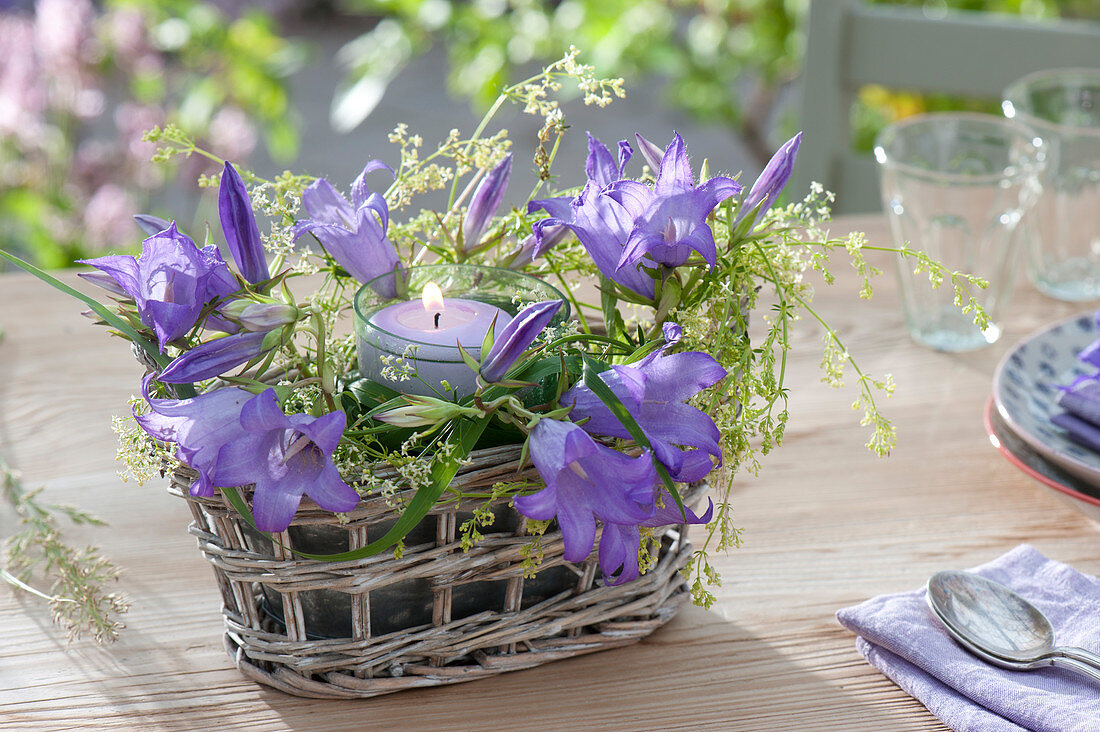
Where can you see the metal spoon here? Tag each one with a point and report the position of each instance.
(996, 624)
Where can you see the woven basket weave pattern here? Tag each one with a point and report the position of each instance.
(437, 615)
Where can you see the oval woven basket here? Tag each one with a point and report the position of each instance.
(436, 615)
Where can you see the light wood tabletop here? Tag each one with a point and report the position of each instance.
(826, 525)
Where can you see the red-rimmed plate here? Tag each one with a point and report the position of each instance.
(1079, 494)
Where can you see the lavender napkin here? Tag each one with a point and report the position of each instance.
(900, 636)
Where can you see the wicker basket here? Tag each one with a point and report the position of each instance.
(437, 615)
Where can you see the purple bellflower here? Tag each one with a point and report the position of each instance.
(171, 282)
(353, 233)
(585, 482)
(216, 357)
(285, 456)
(603, 225)
(654, 391)
(198, 426)
(771, 181)
(485, 202)
(619, 543)
(242, 234)
(602, 170)
(670, 220)
(514, 339)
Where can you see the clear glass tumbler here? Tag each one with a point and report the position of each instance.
(957, 186)
(1063, 106)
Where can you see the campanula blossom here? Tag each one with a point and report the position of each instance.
(650, 151)
(655, 391)
(198, 426)
(485, 202)
(216, 357)
(602, 169)
(170, 283)
(585, 482)
(603, 225)
(619, 543)
(353, 233)
(771, 181)
(515, 338)
(669, 220)
(283, 457)
(242, 234)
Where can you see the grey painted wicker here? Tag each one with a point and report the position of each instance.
(437, 615)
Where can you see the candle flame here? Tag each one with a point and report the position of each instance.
(432, 297)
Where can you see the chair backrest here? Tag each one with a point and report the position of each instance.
(851, 44)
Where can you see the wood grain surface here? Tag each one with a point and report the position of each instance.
(826, 525)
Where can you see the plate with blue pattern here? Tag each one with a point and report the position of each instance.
(1025, 391)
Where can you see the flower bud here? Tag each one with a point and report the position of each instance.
(260, 316)
(422, 411)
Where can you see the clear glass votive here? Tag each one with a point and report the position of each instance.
(402, 345)
(1063, 106)
(957, 186)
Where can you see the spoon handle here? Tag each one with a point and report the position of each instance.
(1081, 655)
(1070, 663)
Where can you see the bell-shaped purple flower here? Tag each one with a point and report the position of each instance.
(585, 482)
(170, 283)
(619, 543)
(771, 181)
(216, 357)
(514, 339)
(198, 426)
(242, 234)
(353, 233)
(284, 457)
(485, 202)
(669, 220)
(602, 170)
(655, 392)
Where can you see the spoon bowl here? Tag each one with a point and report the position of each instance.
(999, 626)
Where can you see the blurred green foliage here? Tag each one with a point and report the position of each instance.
(724, 61)
(82, 82)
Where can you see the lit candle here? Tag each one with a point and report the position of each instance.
(430, 331)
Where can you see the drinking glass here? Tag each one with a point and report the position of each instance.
(1063, 106)
(956, 185)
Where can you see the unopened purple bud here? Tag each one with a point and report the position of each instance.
(772, 180)
(487, 198)
(151, 225)
(516, 337)
(652, 154)
(242, 235)
(214, 358)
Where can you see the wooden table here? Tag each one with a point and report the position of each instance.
(826, 525)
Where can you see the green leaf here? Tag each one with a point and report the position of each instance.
(591, 376)
(97, 307)
(466, 431)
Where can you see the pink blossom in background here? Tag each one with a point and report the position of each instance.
(63, 36)
(108, 218)
(232, 135)
(22, 98)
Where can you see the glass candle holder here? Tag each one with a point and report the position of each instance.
(410, 342)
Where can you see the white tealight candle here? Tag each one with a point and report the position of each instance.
(430, 330)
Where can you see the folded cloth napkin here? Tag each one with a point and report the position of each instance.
(901, 636)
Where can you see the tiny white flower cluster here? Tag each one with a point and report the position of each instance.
(399, 368)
